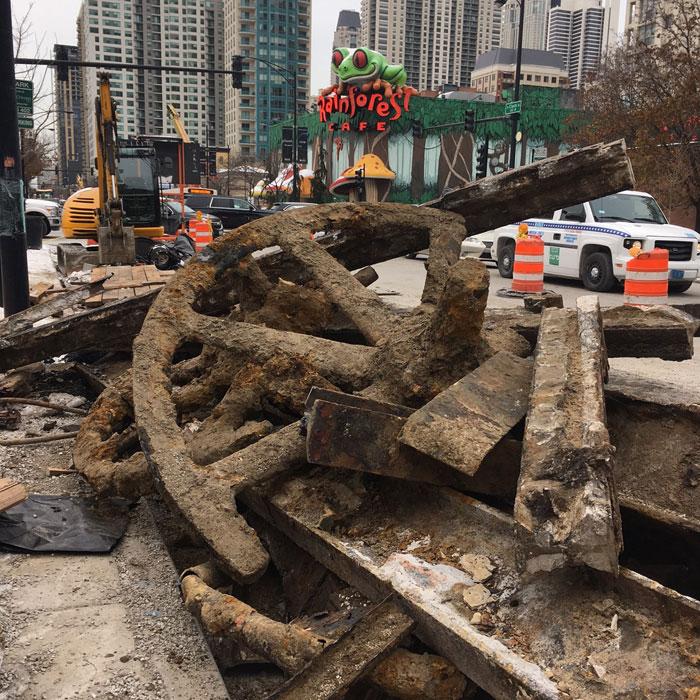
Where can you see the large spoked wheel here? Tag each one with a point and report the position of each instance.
(217, 300)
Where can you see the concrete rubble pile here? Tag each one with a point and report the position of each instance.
(432, 504)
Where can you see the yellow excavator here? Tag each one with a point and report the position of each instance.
(114, 238)
(127, 195)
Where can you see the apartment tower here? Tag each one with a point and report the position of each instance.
(576, 34)
(185, 33)
(69, 119)
(347, 33)
(274, 31)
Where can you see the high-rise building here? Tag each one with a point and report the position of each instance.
(69, 119)
(534, 24)
(435, 40)
(611, 26)
(576, 34)
(347, 32)
(277, 31)
(186, 33)
(488, 32)
(644, 20)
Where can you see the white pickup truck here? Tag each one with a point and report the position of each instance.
(590, 241)
(48, 211)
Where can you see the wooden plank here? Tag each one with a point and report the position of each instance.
(11, 493)
(356, 653)
(138, 273)
(461, 425)
(94, 301)
(152, 273)
(38, 290)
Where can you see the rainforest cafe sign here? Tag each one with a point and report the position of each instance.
(387, 109)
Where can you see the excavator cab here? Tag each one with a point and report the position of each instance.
(138, 186)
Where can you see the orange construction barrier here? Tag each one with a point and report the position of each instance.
(201, 232)
(528, 266)
(646, 280)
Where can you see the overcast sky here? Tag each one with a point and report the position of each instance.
(55, 21)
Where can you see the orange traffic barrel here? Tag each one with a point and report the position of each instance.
(528, 266)
(646, 280)
(201, 232)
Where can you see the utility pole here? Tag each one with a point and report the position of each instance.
(13, 239)
(516, 96)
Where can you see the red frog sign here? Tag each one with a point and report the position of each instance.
(366, 81)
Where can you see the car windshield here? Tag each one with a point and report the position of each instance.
(627, 207)
(177, 208)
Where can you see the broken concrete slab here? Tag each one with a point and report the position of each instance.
(460, 426)
(356, 653)
(566, 505)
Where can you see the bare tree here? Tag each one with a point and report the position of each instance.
(37, 144)
(650, 95)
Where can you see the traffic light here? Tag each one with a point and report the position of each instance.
(237, 71)
(482, 160)
(417, 130)
(62, 69)
(470, 121)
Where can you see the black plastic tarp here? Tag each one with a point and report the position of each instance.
(64, 524)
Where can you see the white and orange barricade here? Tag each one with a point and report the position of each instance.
(201, 231)
(646, 279)
(528, 264)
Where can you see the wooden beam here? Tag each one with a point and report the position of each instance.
(533, 190)
(356, 653)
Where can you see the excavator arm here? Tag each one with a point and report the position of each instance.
(116, 241)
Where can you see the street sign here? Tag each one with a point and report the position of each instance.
(540, 153)
(514, 107)
(24, 91)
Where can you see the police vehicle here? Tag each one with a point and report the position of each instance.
(591, 241)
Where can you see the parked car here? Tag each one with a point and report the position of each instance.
(478, 246)
(232, 212)
(170, 218)
(47, 210)
(591, 241)
(285, 206)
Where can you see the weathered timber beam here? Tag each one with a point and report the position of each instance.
(566, 506)
(514, 195)
(356, 653)
(460, 426)
(25, 319)
(419, 561)
(351, 432)
(109, 327)
(653, 331)
(655, 428)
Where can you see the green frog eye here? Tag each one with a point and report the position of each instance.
(359, 59)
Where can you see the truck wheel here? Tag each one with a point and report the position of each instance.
(506, 256)
(679, 287)
(597, 272)
(45, 226)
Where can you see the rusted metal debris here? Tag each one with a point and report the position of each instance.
(236, 349)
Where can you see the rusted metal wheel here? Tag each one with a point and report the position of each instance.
(403, 358)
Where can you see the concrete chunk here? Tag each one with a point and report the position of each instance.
(566, 507)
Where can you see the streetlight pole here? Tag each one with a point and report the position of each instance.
(518, 67)
(13, 240)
